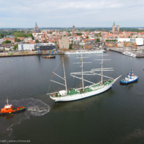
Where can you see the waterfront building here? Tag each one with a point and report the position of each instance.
(33, 46)
(6, 46)
(127, 44)
(26, 47)
(137, 41)
(64, 42)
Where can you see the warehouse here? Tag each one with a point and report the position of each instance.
(123, 39)
(26, 47)
(138, 41)
(42, 46)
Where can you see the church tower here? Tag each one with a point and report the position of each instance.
(73, 30)
(118, 28)
(113, 27)
(36, 29)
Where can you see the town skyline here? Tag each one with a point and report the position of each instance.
(15, 14)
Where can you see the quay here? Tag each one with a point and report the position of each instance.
(27, 53)
(34, 53)
(121, 50)
(118, 51)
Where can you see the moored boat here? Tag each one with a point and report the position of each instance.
(130, 78)
(86, 52)
(49, 56)
(128, 53)
(9, 109)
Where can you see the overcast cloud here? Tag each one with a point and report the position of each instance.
(65, 13)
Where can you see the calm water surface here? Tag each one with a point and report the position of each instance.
(113, 117)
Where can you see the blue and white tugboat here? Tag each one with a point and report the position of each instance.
(130, 78)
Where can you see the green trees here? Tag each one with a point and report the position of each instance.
(79, 34)
(15, 47)
(111, 40)
(97, 40)
(37, 41)
(22, 34)
(98, 35)
(18, 40)
(70, 46)
(1, 35)
(6, 42)
(87, 37)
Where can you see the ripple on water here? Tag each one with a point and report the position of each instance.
(35, 107)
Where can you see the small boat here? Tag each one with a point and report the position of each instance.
(130, 78)
(9, 109)
(128, 53)
(49, 56)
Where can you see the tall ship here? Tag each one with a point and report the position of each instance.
(86, 52)
(84, 91)
(128, 53)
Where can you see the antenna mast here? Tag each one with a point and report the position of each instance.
(7, 101)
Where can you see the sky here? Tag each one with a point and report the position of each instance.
(66, 13)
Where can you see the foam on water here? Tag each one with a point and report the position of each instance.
(35, 107)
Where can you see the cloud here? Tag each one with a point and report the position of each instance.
(65, 13)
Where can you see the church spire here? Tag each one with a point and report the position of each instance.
(114, 23)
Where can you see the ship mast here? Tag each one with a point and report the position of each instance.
(63, 78)
(64, 75)
(82, 72)
(102, 70)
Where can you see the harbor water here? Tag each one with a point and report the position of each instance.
(113, 117)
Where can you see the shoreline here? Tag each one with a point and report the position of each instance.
(33, 53)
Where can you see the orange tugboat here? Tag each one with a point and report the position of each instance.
(9, 109)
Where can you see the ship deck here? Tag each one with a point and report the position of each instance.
(87, 89)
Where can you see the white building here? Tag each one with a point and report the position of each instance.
(1, 40)
(64, 42)
(138, 41)
(28, 39)
(30, 47)
(123, 39)
(47, 44)
(26, 47)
